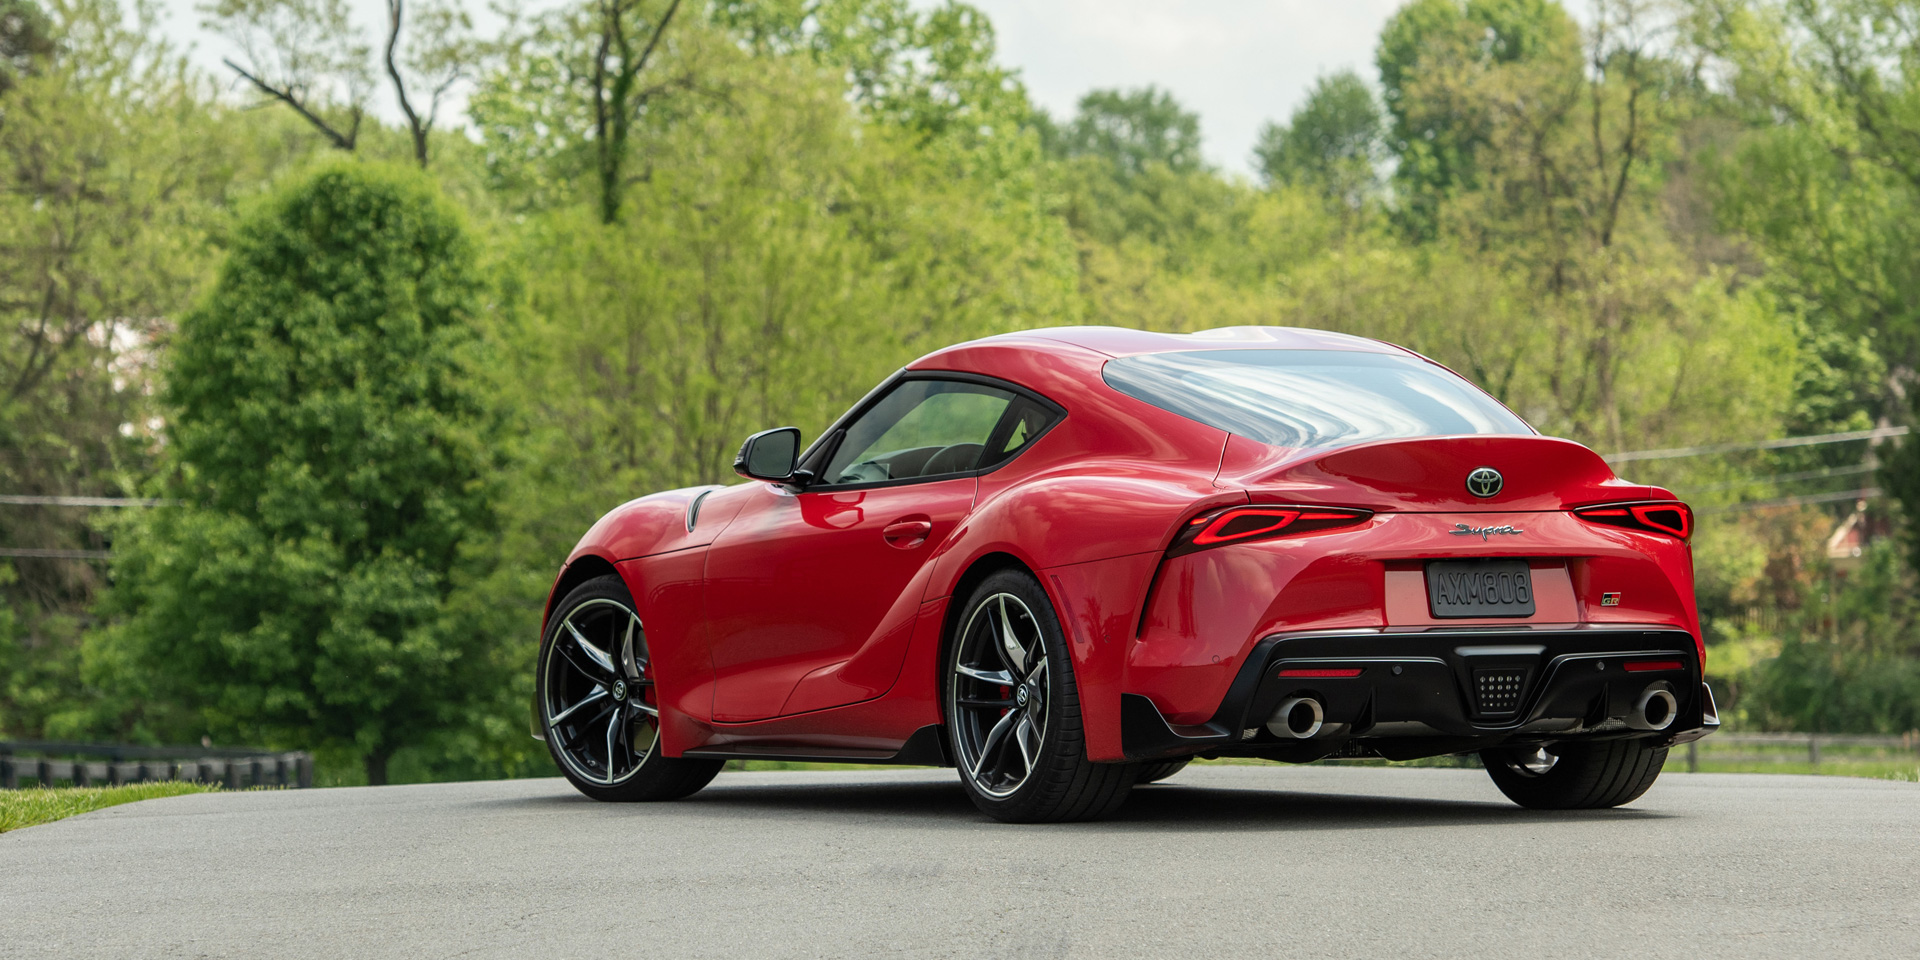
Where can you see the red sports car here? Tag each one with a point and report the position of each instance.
(1067, 561)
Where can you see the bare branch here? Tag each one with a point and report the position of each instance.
(288, 97)
(394, 12)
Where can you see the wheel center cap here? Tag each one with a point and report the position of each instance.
(619, 689)
(1020, 696)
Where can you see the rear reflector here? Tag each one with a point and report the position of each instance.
(1646, 666)
(1342, 672)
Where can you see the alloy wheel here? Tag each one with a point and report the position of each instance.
(998, 696)
(598, 700)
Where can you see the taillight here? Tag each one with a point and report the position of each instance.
(1260, 522)
(1669, 517)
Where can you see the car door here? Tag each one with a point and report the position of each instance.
(811, 595)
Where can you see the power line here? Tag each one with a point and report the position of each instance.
(1808, 441)
(26, 500)
(1867, 494)
(1854, 470)
(55, 554)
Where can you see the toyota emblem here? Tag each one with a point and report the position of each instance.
(1484, 482)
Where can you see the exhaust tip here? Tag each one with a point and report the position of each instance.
(1655, 709)
(1298, 717)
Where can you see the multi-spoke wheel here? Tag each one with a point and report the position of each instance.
(1575, 775)
(1013, 713)
(598, 703)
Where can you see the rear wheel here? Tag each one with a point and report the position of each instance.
(1156, 772)
(597, 701)
(1576, 776)
(1013, 712)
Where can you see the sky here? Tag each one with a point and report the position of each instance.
(1237, 63)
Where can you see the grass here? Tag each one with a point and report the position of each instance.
(37, 805)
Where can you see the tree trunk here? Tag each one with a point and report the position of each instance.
(377, 767)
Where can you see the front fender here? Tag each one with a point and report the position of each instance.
(659, 523)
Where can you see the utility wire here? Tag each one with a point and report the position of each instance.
(1866, 494)
(1808, 441)
(55, 554)
(1858, 468)
(22, 499)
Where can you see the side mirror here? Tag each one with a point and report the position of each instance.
(769, 455)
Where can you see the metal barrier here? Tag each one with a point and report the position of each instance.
(1810, 742)
(46, 762)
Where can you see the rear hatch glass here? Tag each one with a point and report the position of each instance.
(1313, 398)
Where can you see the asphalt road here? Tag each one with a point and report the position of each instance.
(1219, 861)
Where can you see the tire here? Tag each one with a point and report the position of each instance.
(1156, 772)
(1576, 776)
(594, 685)
(1013, 717)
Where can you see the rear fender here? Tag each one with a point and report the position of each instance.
(1093, 542)
(1067, 519)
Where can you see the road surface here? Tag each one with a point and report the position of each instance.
(1220, 861)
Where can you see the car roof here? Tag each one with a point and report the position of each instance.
(1126, 342)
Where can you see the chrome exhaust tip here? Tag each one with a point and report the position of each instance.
(1655, 709)
(1298, 717)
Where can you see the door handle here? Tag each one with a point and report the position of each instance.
(906, 534)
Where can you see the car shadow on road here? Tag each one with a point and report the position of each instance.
(1162, 807)
(1173, 806)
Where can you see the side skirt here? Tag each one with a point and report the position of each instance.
(927, 747)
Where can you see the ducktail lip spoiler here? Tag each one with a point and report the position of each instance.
(1430, 474)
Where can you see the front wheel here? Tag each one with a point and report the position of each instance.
(597, 701)
(1576, 776)
(1013, 712)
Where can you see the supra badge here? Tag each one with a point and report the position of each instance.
(1484, 482)
(1467, 530)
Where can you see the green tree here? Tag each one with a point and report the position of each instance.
(1135, 130)
(334, 451)
(1332, 141)
(1426, 49)
(1824, 182)
(26, 39)
(115, 167)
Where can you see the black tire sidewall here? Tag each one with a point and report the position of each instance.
(1063, 744)
(1588, 776)
(659, 777)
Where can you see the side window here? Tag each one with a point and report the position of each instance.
(1025, 421)
(921, 428)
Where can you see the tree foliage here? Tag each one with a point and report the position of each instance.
(1132, 132)
(1647, 226)
(1332, 142)
(335, 455)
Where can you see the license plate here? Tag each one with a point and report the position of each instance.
(1479, 588)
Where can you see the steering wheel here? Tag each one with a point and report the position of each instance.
(962, 456)
(866, 471)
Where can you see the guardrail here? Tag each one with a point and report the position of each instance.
(46, 762)
(1810, 742)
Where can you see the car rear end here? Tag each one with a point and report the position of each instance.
(1414, 572)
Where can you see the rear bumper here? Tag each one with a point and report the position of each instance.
(1402, 695)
